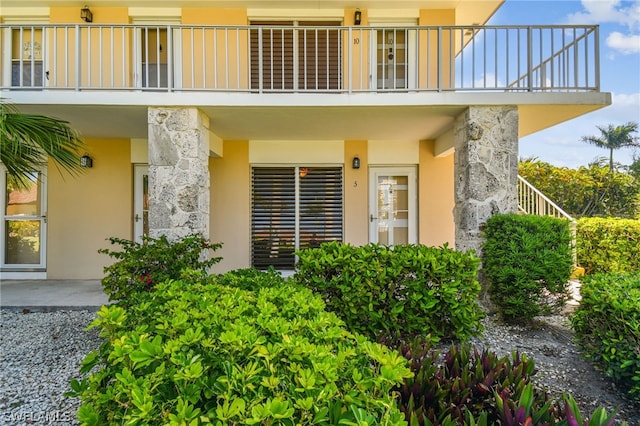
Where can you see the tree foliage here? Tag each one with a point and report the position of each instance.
(614, 137)
(27, 140)
(586, 191)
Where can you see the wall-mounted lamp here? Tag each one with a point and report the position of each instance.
(355, 164)
(86, 15)
(357, 17)
(86, 161)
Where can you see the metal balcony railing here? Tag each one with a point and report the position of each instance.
(288, 59)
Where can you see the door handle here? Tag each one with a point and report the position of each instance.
(136, 217)
(371, 218)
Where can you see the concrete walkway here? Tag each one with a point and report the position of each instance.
(51, 295)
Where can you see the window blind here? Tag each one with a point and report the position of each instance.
(293, 208)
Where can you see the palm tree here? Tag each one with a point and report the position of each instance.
(27, 140)
(613, 138)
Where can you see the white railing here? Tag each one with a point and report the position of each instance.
(325, 59)
(532, 201)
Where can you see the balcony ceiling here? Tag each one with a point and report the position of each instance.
(297, 117)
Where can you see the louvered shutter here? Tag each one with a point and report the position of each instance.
(320, 208)
(284, 220)
(276, 53)
(273, 217)
(320, 56)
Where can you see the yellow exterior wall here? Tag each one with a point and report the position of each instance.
(429, 62)
(356, 188)
(359, 44)
(101, 15)
(85, 210)
(98, 41)
(436, 197)
(223, 49)
(209, 16)
(230, 219)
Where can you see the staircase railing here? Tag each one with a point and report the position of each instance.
(532, 201)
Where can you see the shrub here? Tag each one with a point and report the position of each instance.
(141, 266)
(195, 352)
(527, 261)
(608, 245)
(607, 325)
(587, 191)
(250, 278)
(479, 388)
(404, 291)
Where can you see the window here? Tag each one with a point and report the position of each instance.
(296, 56)
(293, 208)
(27, 68)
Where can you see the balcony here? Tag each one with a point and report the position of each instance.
(272, 59)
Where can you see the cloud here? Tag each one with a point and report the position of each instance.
(625, 44)
(624, 107)
(560, 145)
(609, 11)
(613, 12)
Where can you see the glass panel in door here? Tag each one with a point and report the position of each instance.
(154, 58)
(27, 68)
(24, 223)
(392, 58)
(140, 202)
(393, 202)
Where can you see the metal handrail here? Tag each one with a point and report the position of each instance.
(291, 59)
(532, 201)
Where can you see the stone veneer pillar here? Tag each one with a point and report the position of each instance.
(178, 172)
(485, 170)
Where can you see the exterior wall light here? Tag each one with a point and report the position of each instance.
(86, 161)
(86, 15)
(357, 17)
(355, 164)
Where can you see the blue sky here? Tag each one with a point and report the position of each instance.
(619, 67)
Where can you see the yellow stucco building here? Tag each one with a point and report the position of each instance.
(272, 127)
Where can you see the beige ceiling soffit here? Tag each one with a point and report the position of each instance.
(160, 12)
(20, 13)
(215, 145)
(298, 14)
(444, 146)
(139, 150)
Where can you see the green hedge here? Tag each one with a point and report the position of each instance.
(607, 324)
(527, 261)
(398, 292)
(197, 352)
(608, 245)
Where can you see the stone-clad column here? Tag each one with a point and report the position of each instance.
(178, 172)
(486, 170)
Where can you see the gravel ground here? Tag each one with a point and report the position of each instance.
(549, 341)
(41, 352)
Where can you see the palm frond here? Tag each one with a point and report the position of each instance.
(28, 140)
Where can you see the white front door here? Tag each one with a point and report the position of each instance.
(392, 205)
(24, 222)
(140, 202)
(394, 56)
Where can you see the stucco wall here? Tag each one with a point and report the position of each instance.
(436, 197)
(230, 219)
(84, 211)
(356, 226)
